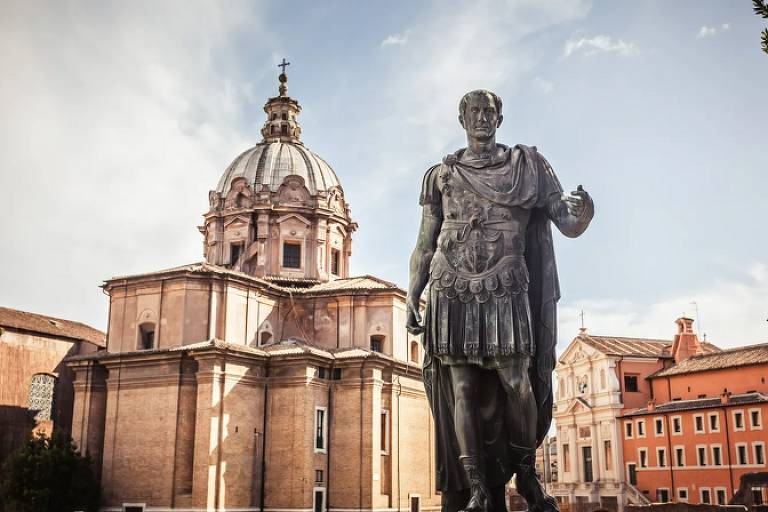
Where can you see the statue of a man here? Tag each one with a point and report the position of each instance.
(485, 249)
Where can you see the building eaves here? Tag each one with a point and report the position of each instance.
(700, 403)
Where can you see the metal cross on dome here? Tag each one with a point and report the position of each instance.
(283, 64)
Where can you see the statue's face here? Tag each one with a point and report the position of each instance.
(480, 117)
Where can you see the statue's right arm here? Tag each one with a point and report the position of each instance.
(426, 243)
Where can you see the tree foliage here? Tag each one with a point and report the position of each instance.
(48, 474)
(761, 9)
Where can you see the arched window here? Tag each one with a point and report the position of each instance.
(414, 352)
(274, 116)
(377, 343)
(146, 336)
(265, 337)
(41, 393)
(284, 129)
(285, 116)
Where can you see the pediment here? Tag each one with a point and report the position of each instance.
(296, 216)
(578, 405)
(577, 351)
(237, 219)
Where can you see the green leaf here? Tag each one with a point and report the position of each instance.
(760, 7)
(765, 40)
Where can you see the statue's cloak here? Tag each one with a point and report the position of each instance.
(544, 292)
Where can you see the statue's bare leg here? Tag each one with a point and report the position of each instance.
(522, 418)
(521, 403)
(466, 380)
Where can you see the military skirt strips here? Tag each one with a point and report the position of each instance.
(479, 318)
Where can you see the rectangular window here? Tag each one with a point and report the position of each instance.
(659, 426)
(632, 473)
(741, 454)
(755, 421)
(662, 495)
(318, 501)
(377, 343)
(641, 428)
(318, 476)
(717, 456)
(630, 383)
(720, 496)
(335, 262)
(235, 250)
(608, 452)
(586, 452)
(679, 456)
(661, 457)
(701, 455)
(757, 495)
(566, 459)
(628, 430)
(698, 422)
(706, 496)
(714, 422)
(682, 494)
(291, 255)
(320, 426)
(758, 450)
(738, 420)
(384, 431)
(642, 454)
(677, 425)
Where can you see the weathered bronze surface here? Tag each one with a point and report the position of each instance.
(485, 250)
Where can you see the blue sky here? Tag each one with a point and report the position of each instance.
(119, 117)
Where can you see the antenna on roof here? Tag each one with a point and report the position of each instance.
(698, 320)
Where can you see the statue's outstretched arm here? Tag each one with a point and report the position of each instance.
(431, 220)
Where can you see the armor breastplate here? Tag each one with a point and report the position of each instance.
(481, 246)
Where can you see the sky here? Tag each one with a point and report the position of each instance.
(119, 117)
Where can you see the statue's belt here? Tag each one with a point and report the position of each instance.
(509, 276)
(465, 227)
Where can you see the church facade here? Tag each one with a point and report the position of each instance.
(265, 377)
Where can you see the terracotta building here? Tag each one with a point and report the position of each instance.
(264, 378)
(703, 425)
(599, 378)
(36, 388)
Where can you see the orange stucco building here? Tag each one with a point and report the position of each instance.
(702, 426)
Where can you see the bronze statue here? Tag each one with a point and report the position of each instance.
(485, 249)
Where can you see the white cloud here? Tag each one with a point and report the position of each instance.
(115, 124)
(599, 44)
(545, 86)
(731, 312)
(396, 39)
(706, 31)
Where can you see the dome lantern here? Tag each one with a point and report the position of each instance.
(282, 111)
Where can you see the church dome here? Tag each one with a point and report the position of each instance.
(269, 163)
(278, 211)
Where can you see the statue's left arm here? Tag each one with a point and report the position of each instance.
(570, 213)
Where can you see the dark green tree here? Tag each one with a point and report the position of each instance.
(48, 474)
(761, 9)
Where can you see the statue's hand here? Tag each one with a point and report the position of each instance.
(413, 324)
(578, 202)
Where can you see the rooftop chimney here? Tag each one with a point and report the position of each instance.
(725, 397)
(686, 343)
(651, 405)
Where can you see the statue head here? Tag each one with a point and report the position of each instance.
(480, 113)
